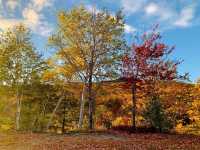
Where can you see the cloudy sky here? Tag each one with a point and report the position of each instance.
(179, 22)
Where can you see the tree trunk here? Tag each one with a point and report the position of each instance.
(91, 103)
(80, 123)
(18, 113)
(63, 123)
(133, 106)
(54, 111)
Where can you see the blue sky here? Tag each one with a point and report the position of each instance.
(179, 22)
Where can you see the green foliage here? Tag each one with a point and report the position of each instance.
(19, 62)
(155, 115)
(6, 114)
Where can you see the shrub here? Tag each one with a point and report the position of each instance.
(155, 115)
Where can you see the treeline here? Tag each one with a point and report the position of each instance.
(93, 80)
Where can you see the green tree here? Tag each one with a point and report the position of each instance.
(19, 62)
(155, 115)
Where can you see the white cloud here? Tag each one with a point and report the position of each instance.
(12, 4)
(38, 5)
(34, 17)
(186, 16)
(36, 22)
(31, 16)
(161, 11)
(132, 6)
(152, 8)
(9, 23)
(42, 28)
(129, 29)
(6, 23)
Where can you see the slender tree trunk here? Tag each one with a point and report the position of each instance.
(63, 123)
(133, 106)
(82, 101)
(91, 103)
(54, 111)
(18, 113)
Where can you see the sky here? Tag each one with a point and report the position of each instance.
(179, 22)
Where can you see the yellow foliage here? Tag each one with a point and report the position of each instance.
(118, 121)
(5, 127)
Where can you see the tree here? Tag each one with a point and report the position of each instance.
(155, 114)
(148, 62)
(19, 62)
(90, 45)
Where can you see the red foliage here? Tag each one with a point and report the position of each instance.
(149, 60)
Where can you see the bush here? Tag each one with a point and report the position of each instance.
(155, 115)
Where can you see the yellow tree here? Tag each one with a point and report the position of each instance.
(90, 44)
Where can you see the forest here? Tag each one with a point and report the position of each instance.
(95, 85)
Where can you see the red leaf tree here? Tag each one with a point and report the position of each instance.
(148, 62)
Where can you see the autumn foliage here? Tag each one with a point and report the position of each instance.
(147, 63)
(94, 81)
